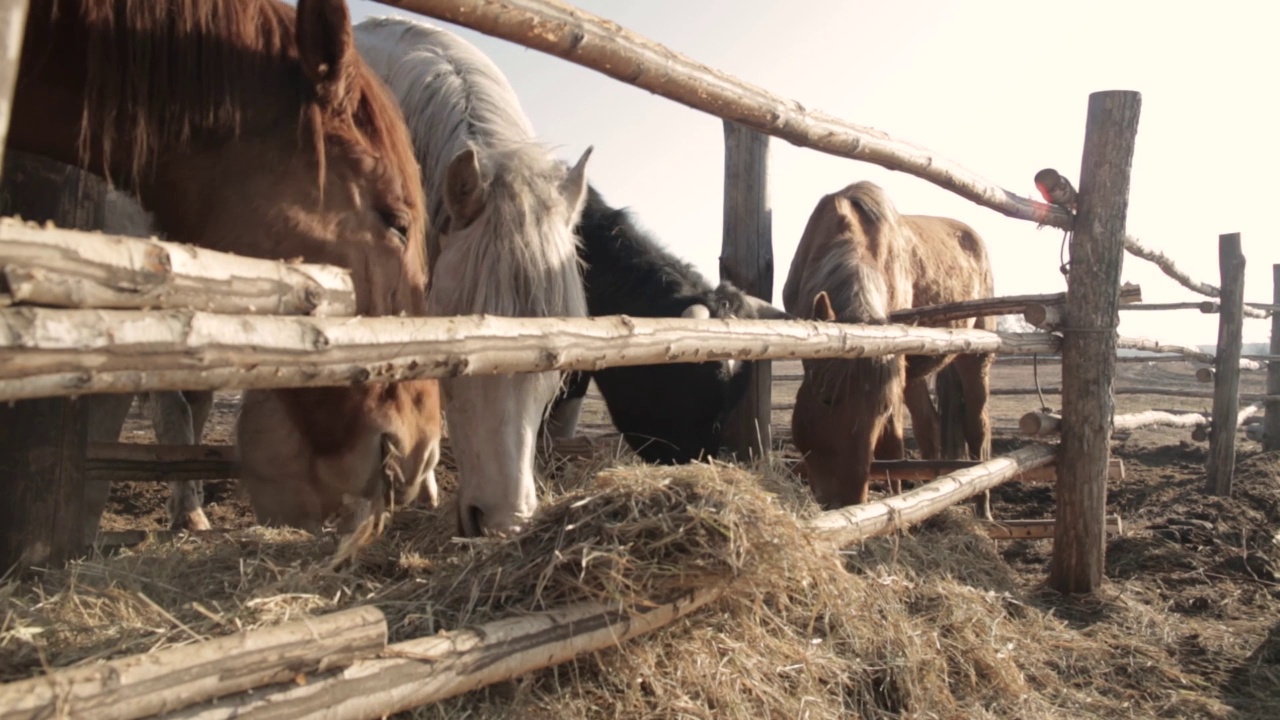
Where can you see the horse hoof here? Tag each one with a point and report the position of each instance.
(194, 521)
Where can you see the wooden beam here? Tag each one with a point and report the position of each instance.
(858, 522)
(1089, 349)
(75, 268)
(73, 352)
(139, 686)
(1166, 266)
(575, 35)
(13, 23)
(1271, 431)
(430, 669)
(986, 307)
(1037, 529)
(746, 260)
(1220, 467)
(1207, 307)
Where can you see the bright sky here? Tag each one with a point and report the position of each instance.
(1000, 86)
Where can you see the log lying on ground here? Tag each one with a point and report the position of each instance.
(73, 268)
(1037, 529)
(1011, 304)
(426, 670)
(577, 36)
(1039, 424)
(49, 353)
(1201, 433)
(143, 685)
(858, 522)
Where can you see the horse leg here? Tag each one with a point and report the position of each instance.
(891, 447)
(107, 414)
(924, 417)
(173, 422)
(566, 408)
(974, 372)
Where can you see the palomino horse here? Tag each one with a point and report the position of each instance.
(858, 261)
(501, 242)
(249, 127)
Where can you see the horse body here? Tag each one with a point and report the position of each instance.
(857, 261)
(671, 413)
(500, 242)
(247, 127)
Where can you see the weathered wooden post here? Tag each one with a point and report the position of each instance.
(1271, 426)
(746, 260)
(42, 442)
(1089, 341)
(13, 22)
(1220, 468)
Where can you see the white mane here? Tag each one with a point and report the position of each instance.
(519, 258)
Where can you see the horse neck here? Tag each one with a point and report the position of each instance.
(115, 121)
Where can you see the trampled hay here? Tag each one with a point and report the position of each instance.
(930, 624)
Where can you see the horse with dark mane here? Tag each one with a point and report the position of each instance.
(857, 262)
(248, 127)
(501, 242)
(671, 413)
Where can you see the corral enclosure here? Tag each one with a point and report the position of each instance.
(938, 621)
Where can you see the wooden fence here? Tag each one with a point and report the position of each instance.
(206, 336)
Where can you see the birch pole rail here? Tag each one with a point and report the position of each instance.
(78, 269)
(1166, 265)
(139, 686)
(986, 307)
(1089, 348)
(49, 353)
(598, 44)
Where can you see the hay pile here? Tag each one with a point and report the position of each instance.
(929, 625)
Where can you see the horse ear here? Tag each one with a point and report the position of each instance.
(326, 49)
(574, 185)
(822, 308)
(464, 190)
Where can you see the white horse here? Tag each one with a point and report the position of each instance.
(178, 418)
(502, 211)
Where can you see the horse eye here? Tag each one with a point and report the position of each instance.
(397, 225)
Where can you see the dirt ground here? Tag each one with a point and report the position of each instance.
(1213, 562)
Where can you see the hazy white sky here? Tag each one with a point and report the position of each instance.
(1000, 86)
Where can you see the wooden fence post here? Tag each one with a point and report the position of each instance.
(43, 441)
(746, 260)
(1089, 341)
(1220, 468)
(1271, 428)
(13, 23)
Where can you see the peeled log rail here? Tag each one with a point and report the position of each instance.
(1166, 265)
(1125, 390)
(74, 268)
(1007, 305)
(1036, 529)
(593, 42)
(1188, 352)
(1207, 307)
(426, 670)
(858, 522)
(143, 685)
(48, 352)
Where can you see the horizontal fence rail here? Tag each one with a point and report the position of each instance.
(48, 352)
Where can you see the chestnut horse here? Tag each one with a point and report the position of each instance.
(857, 262)
(246, 126)
(501, 242)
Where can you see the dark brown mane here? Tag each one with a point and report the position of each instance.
(162, 72)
